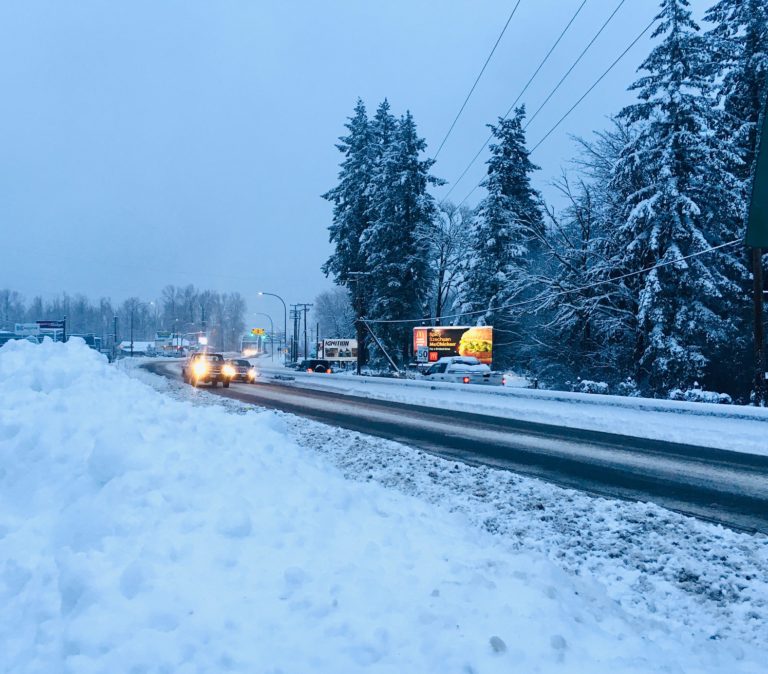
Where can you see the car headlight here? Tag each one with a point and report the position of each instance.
(252, 373)
(200, 368)
(228, 371)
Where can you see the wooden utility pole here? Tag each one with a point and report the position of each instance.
(757, 286)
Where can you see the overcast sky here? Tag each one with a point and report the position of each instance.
(152, 142)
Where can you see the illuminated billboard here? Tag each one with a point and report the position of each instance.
(432, 343)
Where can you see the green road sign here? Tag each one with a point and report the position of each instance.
(757, 226)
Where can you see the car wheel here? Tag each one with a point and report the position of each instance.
(225, 384)
(194, 382)
(213, 383)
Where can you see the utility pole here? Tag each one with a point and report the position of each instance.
(114, 345)
(757, 287)
(305, 308)
(295, 317)
(360, 324)
(757, 240)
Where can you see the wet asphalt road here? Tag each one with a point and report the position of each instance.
(725, 487)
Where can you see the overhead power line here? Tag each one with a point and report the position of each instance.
(477, 79)
(519, 96)
(575, 63)
(577, 103)
(570, 291)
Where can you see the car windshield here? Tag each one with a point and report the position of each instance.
(241, 362)
(211, 357)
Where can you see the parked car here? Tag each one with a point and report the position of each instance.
(463, 370)
(315, 365)
(244, 371)
(207, 368)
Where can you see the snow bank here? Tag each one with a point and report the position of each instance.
(730, 427)
(144, 534)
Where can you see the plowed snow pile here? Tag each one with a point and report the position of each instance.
(144, 534)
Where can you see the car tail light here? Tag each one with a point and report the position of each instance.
(329, 371)
(466, 380)
(309, 369)
(503, 381)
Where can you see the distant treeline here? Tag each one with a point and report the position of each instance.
(179, 309)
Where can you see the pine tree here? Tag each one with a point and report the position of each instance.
(398, 244)
(506, 230)
(738, 46)
(684, 195)
(351, 213)
(738, 63)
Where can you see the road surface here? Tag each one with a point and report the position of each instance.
(730, 488)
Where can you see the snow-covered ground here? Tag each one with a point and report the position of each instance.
(730, 427)
(166, 530)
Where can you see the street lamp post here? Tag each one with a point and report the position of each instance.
(285, 313)
(272, 332)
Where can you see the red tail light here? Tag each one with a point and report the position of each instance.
(329, 371)
(309, 369)
(466, 380)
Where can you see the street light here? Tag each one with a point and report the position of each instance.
(272, 331)
(285, 313)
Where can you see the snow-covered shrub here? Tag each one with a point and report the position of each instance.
(628, 388)
(699, 395)
(588, 386)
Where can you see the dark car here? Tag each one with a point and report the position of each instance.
(207, 368)
(244, 371)
(315, 365)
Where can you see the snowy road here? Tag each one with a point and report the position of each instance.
(726, 487)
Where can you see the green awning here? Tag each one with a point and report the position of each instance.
(757, 226)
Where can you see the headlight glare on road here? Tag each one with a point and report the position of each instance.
(228, 371)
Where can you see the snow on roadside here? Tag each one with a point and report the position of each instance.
(729, 427)
(139, 532)
(693, 576)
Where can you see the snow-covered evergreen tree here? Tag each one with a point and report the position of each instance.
(685, 195)
(351, 212)
(398, 244)
(506, 230)
(739, 63)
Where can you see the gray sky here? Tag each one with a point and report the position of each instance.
(152, 142)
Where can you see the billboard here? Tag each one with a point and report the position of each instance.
(432, 343)
(344, 350)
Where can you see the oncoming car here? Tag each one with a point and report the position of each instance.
(207, 368)
(244, 371)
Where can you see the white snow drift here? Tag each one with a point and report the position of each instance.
(144, 534)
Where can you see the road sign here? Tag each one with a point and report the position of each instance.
(26, 329)
(50, 325)
(257, 331)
